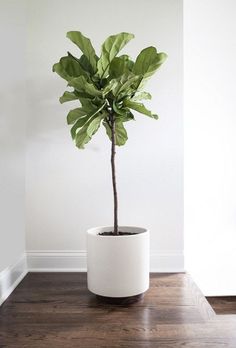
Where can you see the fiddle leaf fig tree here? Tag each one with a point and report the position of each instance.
(109, 88)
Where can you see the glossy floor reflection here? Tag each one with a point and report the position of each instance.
(56, 310)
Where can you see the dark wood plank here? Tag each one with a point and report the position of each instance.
(223, 304)
(56, 310)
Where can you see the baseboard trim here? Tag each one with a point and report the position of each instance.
(75, 261)
(11, 276)
(56, 261)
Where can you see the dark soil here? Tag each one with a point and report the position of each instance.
(110, 233)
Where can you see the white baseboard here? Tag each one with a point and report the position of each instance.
(75, 261)
(11, 276)
(56, 261)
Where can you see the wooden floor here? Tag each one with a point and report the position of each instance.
(56, 310)
(223, 304)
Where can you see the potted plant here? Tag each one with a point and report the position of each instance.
(109, 88)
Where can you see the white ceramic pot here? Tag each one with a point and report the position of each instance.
(118, 266)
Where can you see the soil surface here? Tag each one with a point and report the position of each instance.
(110, 233)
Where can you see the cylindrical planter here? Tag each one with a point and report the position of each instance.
(118, 266)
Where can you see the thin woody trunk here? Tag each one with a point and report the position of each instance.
(113, 170)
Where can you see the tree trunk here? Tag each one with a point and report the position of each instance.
(113, 170)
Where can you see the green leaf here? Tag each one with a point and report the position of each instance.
(83, 95)
(118, 67)
(68, 96)
(148, 61)
(84, 62)
(120, 132)
(85, 46)
(84, 65)
(140, 108)
(58, 68)
(74, 114)
(68, 68)
(85, 134)
(72, 66)
(110, 48)
(87, 109)
(125, 86)
(94, 125)
(119, 109)
(141, 96)
(110, 86)
(87, 105)
(129, 85)
(128, 117)
(81, 85)
(129, 63)
(125, 116)
(78, 124)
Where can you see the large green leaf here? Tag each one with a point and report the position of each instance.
(110, 48)
(122, 113)
(74, 114)
(119, 109)
(148, 61)
(128, 61)
(87, 104)
(85, 134)
(68, 96)
(119, 66)
(128, 85)
(68, 68)
(58, 68)
(80, 116)
(74, 67)
(122, 83)
(120, 132)
(94, 125)
(110, 86)
(78, 124)
(81, 85)
(125, 117)
(141, 96)
(85, 67)
(84, 62)
(85, 46)
(140, 108)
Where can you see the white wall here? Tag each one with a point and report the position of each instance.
(69, 190)
(12, 132)
(210, 144)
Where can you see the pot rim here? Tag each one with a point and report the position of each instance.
(140, 231)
